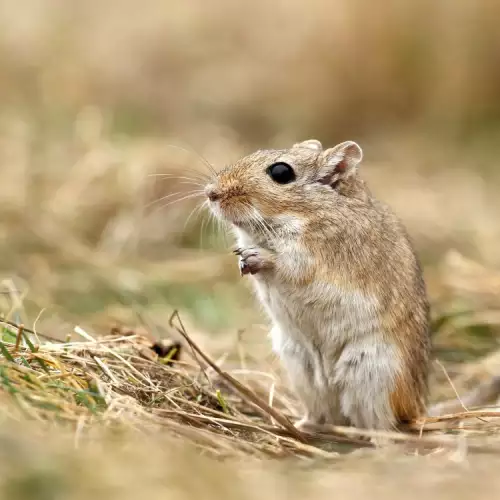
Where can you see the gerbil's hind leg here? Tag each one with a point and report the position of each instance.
(301, 368)
(366, 373)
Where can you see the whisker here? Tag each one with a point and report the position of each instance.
(260, 223)
(187, 197)
(219, 225)
(203, 225)
(165, 205)
(196, 209)
(215, 224)
(181, 177)
(265, 226)
(253, 215)
(198, 192)
(271, 231)
(227, 232)
(198, 155)
(192, 183)
(221, 229)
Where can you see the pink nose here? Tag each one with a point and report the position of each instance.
(212, 193)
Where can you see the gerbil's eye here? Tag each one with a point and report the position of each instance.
(281, 172)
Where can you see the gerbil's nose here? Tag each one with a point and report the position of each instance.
(213, 194)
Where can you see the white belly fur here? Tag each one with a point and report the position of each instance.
(331, 345)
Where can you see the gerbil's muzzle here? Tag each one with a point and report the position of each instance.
(212, 193)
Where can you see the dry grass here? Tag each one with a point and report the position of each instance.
(129, 379)
(122, 415)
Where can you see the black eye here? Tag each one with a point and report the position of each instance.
(280, 172)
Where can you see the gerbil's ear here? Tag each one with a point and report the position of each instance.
(310, 144)
(340, 162)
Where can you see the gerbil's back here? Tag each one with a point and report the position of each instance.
(366, 248)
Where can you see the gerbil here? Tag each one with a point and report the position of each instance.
(339, 278)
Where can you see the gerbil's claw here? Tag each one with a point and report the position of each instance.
(250, 261)
(244, 269)
(237, 251)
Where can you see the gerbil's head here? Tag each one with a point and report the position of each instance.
(270, 189)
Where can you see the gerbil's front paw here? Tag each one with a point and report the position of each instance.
(252, 260)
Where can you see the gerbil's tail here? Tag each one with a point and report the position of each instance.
(484, 394)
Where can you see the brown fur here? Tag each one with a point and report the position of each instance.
(325, 228)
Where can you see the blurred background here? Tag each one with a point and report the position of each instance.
(110, 112)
